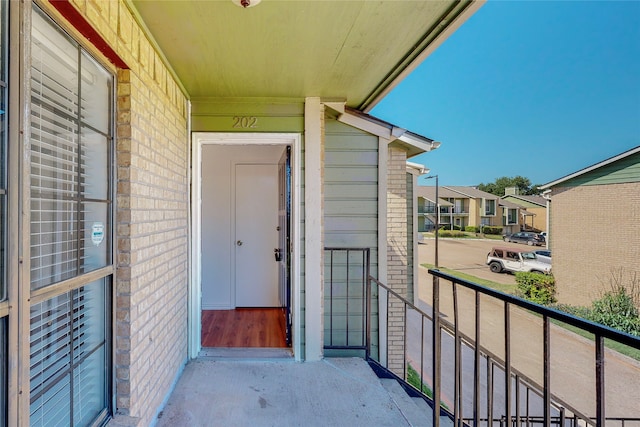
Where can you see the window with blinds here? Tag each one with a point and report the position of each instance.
(69, 158)
(68, 357)
(71, 221)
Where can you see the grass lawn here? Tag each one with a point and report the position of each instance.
(510, 289)
(462, 235)
(507, 289)
(634, 353)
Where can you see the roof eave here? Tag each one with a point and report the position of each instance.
(591, 168)
(446, 26)
(417, 169)
(413, 143)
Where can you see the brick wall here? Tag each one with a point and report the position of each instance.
(397, 265)
(151, 220)
(594, 231)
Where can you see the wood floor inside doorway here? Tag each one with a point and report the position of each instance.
(243, 327)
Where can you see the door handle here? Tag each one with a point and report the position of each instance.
(239, 243)
(278, 254)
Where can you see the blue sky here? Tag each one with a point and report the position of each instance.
(539, 89)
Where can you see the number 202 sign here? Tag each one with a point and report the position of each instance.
(245, 122)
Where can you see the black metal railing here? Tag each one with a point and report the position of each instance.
(346, 273)
(478, 386)
(470, 356)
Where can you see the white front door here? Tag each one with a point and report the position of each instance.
(256, 235)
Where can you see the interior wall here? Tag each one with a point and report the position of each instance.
(218, 162)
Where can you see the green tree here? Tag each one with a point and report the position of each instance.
(521, 183)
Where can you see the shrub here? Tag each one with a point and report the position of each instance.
(536, 287)
(616, 309)
(491, 230)
(579, 311)
(451, 233)
(472, 229)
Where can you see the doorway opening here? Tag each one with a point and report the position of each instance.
(245, 188)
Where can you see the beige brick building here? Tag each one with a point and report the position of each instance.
(533, 215)
(594, 232)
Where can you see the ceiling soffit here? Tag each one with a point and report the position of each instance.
(350, 50)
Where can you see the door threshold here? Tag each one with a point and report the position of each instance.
(245, 353)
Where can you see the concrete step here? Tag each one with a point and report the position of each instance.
(421, 403)
(417, 414)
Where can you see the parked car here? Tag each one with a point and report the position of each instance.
(514, 260)
(543, 255)
(525, 237)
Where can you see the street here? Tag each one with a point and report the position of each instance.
(466, 255)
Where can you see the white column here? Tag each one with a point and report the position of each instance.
(383, 158)
(314, 244)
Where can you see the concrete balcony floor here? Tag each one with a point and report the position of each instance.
(224, 391)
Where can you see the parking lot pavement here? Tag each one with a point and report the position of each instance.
(466, 255)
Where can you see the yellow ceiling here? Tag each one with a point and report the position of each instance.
(343, 50)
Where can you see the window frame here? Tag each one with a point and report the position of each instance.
(20, 293)
(4, 134)
(5, 221)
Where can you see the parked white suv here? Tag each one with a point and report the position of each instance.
(510, 259)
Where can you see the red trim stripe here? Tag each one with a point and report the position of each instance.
(74, 17)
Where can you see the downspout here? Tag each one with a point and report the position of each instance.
(547, 196)
(416, 171)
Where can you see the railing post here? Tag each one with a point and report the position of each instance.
(367, 351)
(422, 353)
(457, 402)
(331, 297)
(346, 300)
(547, 371)
(436, 351)
(507, 360)
(600, 411)
(476, 366)
(517, 400)
(489, 391)
(404, 344)
(367, 305)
